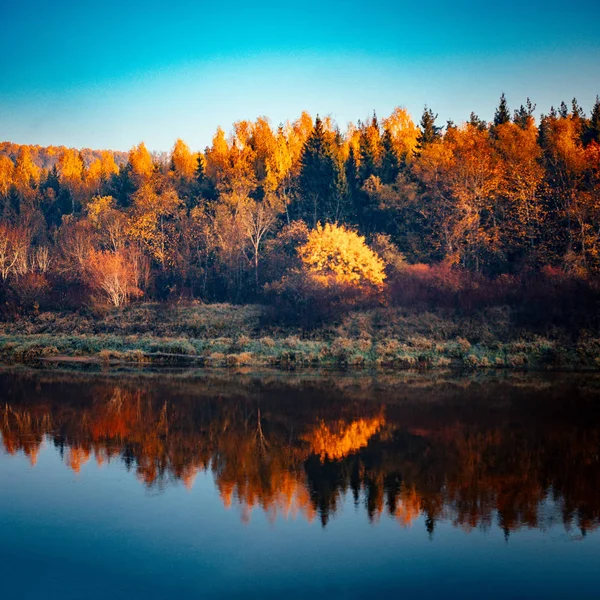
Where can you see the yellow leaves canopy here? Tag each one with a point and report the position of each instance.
(141, 162)
(184, 161)
(335, 253)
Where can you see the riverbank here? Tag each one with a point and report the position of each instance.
(222, 335)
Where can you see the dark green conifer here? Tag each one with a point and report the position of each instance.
(321, 178)
(502, 114)
(429, 131)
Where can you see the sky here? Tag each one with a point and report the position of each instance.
(110, 74)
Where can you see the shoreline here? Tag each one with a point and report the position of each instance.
(231, 336)
(346, 354)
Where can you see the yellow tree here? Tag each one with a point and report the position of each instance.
(99, 172)
(153, 222)
(566, 169)
(475, 178)
(141, 164)
(520, 187)
(71, 173)
(26, 173)
(436, 205)
(404, 132)
(110, 223)
(183, 161)
(336, 255)
(7, 169)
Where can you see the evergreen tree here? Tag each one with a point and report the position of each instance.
(524, 115)
(123, 185)
(353, 183)
(502, 114)
(200, 172)
(563, 111)
(321, 178)
(390, 162)
(429, 131)
(592, 130)
(368, 154)
(476, 122)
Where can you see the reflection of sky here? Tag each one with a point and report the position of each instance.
(101, 533)
(114, 73)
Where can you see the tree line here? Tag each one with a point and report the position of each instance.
(510, 197)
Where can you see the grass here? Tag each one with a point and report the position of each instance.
(222, 335)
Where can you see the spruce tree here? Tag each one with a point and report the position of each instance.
(524, 115)
(502, 114)
(321, 178)
(368, 156)
(390, 162)
(476, 122)
(429, 131)
(592, 130)
(353, 183)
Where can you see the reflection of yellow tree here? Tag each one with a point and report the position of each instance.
(336, 440)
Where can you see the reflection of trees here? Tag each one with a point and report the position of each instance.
(294, 452)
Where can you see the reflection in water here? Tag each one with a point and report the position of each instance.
(508, 452)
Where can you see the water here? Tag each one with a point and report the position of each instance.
(117, 485)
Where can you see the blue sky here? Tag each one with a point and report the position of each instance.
(106, 75)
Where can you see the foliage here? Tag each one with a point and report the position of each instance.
(336, 255)
(503, 200)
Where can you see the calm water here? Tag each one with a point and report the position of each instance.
(122, 485)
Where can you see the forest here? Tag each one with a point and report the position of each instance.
(314, 221)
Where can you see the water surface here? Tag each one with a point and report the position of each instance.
(189, 484)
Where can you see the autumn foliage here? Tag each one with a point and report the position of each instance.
(306, 210)
(334, 255)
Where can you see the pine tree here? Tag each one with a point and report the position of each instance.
(321, 178)
(476, 122)
(524, 115)
(429, 131)
(502, 114)
(592, 131)
(353, 183)
(390, 162)
(563, 111)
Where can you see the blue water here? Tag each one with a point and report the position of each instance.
(102, 533)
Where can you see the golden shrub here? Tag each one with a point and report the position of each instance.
(335, 254)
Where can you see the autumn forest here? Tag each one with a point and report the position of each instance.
(306, 212)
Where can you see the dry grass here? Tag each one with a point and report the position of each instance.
(223, 335)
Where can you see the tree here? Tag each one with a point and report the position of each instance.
(183, 162)
(116, 275)
(430, 133)
(15, 245)
(100, 172)
(321, 178)
(403, 133)
(141, 165)
(370, 150)
(153, 222)
(521, 207)
(258, 219)
(502, 114)
(336, 255)
(592, 131)
(7, 168)
(523, 117)
(390, 161)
